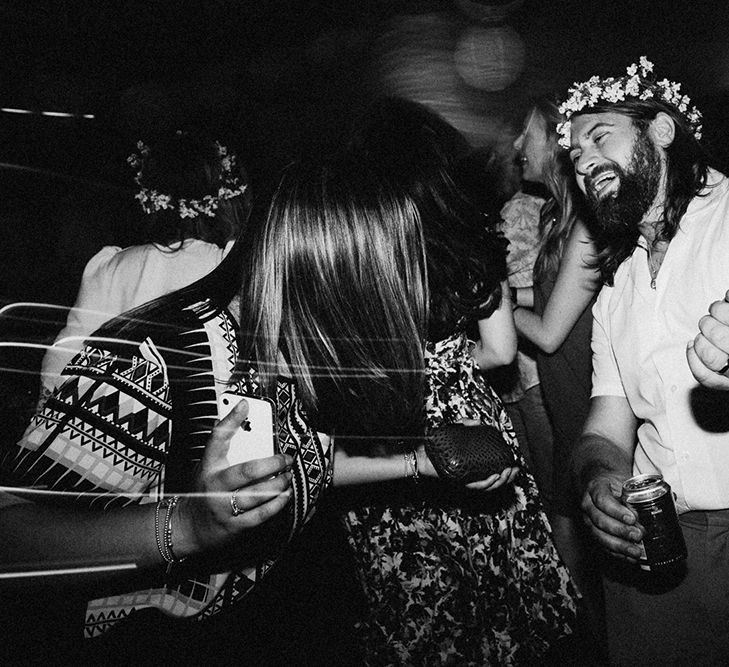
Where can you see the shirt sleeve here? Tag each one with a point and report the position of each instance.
(605, 375)
(94, 306)
(101, 440)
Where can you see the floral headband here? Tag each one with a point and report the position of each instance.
(153, 201)
(638, 83)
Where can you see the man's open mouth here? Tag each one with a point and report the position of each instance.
(604, 184)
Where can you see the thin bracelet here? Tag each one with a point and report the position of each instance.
(164, 536)
(158, 534)
(168, 529)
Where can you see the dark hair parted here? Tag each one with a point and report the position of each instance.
(188, 166)
(420, 153)
(686, 176)
(338, 291)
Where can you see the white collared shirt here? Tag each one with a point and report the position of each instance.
(639, 352)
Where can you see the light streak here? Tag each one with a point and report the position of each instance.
(47, 494)
(90, 569)
(53, 114)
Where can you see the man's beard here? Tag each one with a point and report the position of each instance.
(619, 214)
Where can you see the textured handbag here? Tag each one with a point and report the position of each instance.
(468, 453)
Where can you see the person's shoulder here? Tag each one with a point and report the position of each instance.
(713, 197)
(111, 258)
(102, 258)
(140, 251)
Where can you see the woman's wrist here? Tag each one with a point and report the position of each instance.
(163, 524)
(412, 470)
(184, 538)
(425, 467)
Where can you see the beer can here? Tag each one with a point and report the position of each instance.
(663, 546)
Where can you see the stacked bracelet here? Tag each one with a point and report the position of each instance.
(163, 531)
(411, 466)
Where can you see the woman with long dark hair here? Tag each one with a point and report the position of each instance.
(451, 575)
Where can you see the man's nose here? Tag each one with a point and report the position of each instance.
(518, 142)
(585, 163)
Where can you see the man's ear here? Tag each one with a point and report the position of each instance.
(662, 129)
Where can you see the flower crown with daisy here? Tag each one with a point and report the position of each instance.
(638, 83)
(153, 201)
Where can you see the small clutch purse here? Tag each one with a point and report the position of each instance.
(468, 453)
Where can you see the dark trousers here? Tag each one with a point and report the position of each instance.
(681, 619)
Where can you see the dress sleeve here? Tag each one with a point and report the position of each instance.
(520, 225)
(94, 306)
(101, 439)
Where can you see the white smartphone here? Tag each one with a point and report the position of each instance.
(256, 438)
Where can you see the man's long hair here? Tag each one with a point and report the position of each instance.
(687, 168)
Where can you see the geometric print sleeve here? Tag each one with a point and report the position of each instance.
(105, 439)
(103, 435)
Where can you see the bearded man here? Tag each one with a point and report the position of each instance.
(663, 239)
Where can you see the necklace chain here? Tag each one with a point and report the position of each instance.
(654, 263)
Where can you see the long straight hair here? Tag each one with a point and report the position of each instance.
(560, 213)
(338, 292)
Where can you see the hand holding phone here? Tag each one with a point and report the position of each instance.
(256, 437)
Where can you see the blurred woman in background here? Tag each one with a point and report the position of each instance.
(556, 316)
(195, 200)
(454, 574)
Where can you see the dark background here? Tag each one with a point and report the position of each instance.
(272, 79)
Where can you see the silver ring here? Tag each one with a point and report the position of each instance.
(234, 505)
(722, 371)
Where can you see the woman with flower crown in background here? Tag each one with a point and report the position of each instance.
(555, 315)
(195, 200)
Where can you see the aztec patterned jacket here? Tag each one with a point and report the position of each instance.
(129, 424)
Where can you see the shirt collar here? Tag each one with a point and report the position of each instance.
(716, 185)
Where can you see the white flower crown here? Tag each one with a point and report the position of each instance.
(153, 201)
(636, 84)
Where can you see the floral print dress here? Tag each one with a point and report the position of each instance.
(458, 577)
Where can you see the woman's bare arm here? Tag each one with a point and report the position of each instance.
(575, 286)
(497, 336)
(43, 536)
